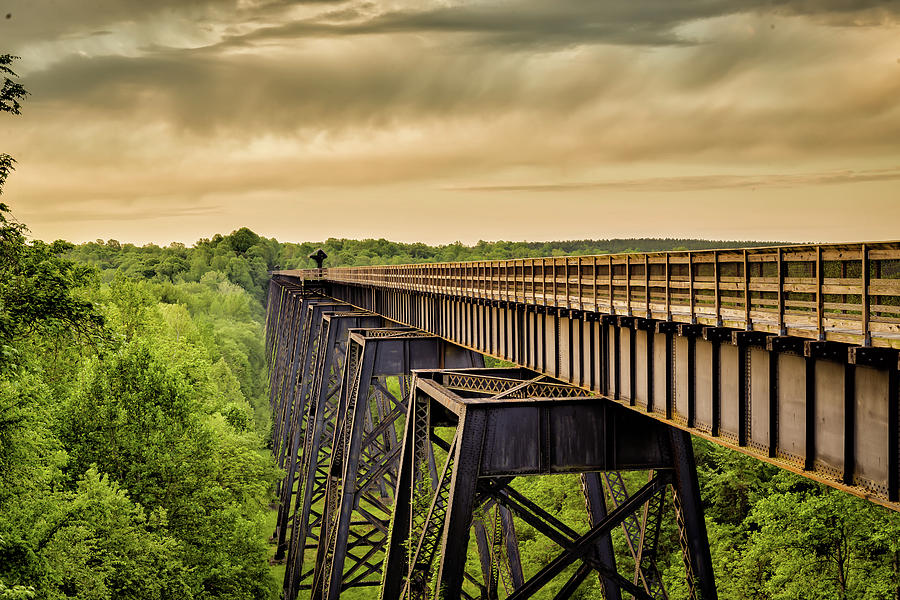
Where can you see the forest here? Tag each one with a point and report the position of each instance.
(134, 431)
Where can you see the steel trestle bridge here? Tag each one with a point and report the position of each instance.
(401, 449)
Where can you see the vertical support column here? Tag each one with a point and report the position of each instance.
(596, 504)
(332, 547)
(692, 379)
(594, 383)
(617, 359)
(670, 370)
(743, 392)
(773, 403)
(894, 435)
(604, 357)
(849, 422)
(415, 437)
(455, 540)
(651, 337)
(632, 364)
(484, 555)
(691, 524)
(716, 384)
(809, 459)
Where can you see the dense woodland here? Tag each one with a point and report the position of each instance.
(134, 422)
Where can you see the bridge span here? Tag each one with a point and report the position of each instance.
(789, 354)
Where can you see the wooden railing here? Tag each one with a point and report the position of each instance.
(840, 292)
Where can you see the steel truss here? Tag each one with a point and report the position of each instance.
(378, 510)
(498, 437)
(307, 358)
(317, 430)
(351, 498)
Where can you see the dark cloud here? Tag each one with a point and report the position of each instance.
(599, 104)
(532, 24)
(542, 24)
(48, 20)
(520, 23)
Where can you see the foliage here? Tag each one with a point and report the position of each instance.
(132, 462)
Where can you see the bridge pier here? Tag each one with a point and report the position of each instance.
(507, 427)
(293, 403)
(362, 470)
(318, 431)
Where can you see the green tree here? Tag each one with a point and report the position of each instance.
(146, 418)
(10, 96)
(809, 541)
(242, 240)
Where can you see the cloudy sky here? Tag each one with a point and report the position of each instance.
(443, 120)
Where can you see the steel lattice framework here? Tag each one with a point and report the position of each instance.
(788, 354)
(339, 417)
(499, 438)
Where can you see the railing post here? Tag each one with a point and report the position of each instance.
(628, 284)
(779, 263)
(647, 285)
(580, 296)
(506, 280)
(820, 303)
(716, 277)
(612, 306)
(691, 285)
(523, 283)
(482, 278)
(668, 290)
(864, 275)
(553, 274)
(596, 308)
(748, 323)
(533, 283)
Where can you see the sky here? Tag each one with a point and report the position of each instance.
(454, 120)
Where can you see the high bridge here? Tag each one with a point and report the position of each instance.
(400, 447)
